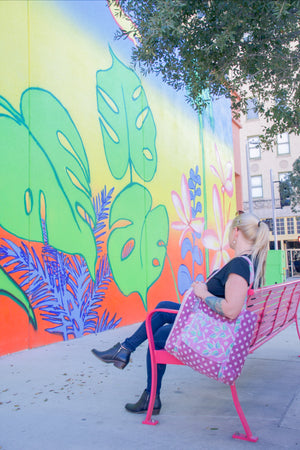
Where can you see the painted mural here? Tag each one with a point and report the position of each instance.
(114, 193)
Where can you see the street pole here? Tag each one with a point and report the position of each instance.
(249, 180)
(273, 210)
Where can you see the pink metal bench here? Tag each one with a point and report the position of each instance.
(276, 308)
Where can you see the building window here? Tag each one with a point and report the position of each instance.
(298, 224)
(252, 112)
(290, 225)
(280, 226)
(254, 147)
(283, 144)
(256, 186)
(283, 176)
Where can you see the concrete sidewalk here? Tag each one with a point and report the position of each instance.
(61, 397)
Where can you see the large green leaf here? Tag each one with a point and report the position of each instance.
(9, 288)
(127, 124)
(43, 162)
(135, 254)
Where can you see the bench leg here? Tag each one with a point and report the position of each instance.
(248, 436)
(298, 331)
(148, 420)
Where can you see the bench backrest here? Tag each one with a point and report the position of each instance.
(276, 307)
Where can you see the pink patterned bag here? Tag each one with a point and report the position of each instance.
(208, 342)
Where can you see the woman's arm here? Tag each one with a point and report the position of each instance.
(236, 289)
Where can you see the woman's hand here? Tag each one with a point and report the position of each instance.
(200, 289)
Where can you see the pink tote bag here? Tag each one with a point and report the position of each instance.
(210, 343)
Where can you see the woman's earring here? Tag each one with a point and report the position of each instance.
(234, 242)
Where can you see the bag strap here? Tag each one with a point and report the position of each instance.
(251, 269)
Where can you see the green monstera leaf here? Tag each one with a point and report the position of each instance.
(126, 121)
(135, 252)
(44, 175)
(9, 288)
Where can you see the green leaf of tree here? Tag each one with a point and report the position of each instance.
(294, 180)
(135, 254)
(9, 288)
(44, 173)
(126, 121)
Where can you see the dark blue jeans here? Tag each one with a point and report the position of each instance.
(161, 325)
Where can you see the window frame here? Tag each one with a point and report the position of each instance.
(280, 226)
(256, 147)
(298, 224)
(257, 187)
(282, 176)
(290, 225)
(252, 112)
(285, 143)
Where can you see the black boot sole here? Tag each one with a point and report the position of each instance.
(155, 412)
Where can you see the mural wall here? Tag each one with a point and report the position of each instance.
(114, 193)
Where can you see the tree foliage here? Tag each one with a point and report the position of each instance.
(241, 49)
(285, 190)
(294, 180)
(289, 188)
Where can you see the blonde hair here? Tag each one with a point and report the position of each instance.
(256, 232)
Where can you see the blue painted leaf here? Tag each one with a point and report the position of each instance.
(197, 255)
(199, 277)
(186, 247)
(198, 208)
(184, 279)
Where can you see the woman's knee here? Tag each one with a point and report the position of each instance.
(161, 305)
(165, 304)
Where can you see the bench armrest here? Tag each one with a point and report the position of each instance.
(149, 326)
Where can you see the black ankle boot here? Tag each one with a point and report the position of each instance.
(118, 355)
(142, 405)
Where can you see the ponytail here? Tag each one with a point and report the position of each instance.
(257, 232)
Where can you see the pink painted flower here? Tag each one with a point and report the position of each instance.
(224, 176)
(184, 211)
(217, 240)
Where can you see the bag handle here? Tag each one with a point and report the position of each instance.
(251, 268)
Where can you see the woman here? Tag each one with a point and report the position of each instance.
(224, 292)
